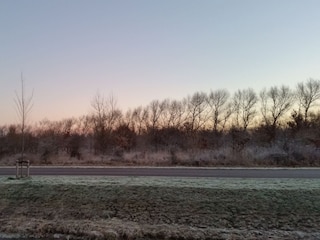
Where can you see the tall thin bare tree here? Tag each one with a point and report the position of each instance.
(24, 105)
(244, 102)
(176, 111)
(218, 104)
(197, 114)
(308, 93)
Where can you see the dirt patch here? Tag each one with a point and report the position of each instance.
(123, 211)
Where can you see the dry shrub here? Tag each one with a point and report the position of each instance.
(281, 153)
(295, 154)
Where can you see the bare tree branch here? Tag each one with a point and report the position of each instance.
(23, 107)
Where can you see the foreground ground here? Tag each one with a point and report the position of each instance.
(159, 208)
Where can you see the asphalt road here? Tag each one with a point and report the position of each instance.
(168, 172)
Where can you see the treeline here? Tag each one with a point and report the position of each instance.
(200, 121)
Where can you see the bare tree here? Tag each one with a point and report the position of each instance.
(275, 102)
(176, 110)
(84, 125)
(197, 115)
(226, 116)
(244, 102)
(23, 107)
(100, 110)
(308, 93)
(164, 116)
(128, 120)
(156, 110)
(105, 118)
(217, 101)
(140, 117)
(106, 112)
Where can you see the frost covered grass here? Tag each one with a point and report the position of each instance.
(276, 155)
(160, 208)
(175, 182)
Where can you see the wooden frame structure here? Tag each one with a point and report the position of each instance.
(20, 165)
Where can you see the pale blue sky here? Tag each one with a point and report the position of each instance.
(143, 50)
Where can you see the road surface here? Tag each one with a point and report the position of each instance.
(168, 172)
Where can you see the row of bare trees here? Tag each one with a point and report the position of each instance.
(218, 110)
(197, 119)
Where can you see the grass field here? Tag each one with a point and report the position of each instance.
(159, 208)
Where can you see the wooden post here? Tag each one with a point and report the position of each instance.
(21, 169)
(28, 169)
(17, 168)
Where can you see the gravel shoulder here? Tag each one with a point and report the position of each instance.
(159, 208)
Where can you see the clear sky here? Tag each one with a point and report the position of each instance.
(143, 50)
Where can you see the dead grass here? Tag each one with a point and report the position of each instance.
(277, 154)
(152, 208)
